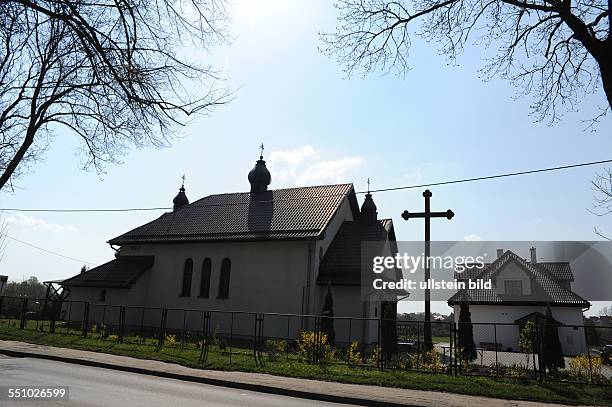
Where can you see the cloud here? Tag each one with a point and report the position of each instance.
(472, 238)
(304, 166)
(21, 220)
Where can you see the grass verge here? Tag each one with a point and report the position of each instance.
(243, 361)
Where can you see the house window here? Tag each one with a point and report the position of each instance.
(205, 278)
(513, 287)
(187, 274)
(224, 279)
(103, 295)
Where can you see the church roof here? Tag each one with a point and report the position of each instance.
(121, 272)
(281, 214)
(546, 288)
(341, 264)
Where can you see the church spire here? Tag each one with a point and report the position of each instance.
(259, 176)
(368, 215)
(180, 199)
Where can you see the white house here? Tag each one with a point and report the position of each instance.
(268, 251)
(521, 291)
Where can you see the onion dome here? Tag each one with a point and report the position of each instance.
(368, 214)
(180, 199)
(259, 177)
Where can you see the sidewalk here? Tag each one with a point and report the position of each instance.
(309, 389)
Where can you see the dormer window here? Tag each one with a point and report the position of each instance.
(513, 288)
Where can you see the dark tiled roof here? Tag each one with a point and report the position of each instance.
(536, 318)
(547, 288)
(342, 262)
(119, 273)
(560, 270)
(282, 214)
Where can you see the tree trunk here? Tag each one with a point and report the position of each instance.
(605, 67)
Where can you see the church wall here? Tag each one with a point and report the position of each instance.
(265, 277)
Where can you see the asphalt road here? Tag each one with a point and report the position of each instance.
(92, 386)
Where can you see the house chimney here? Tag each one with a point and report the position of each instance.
(500, 252)
(534, 258)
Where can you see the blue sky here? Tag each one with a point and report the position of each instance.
(439, 122)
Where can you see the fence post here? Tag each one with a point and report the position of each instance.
(495, 344)
(288, 334)
(162, 329)
(121, 322)
(205, 334)
(85, 319)
(450, 349)
(24, 309)
(231, 336)
(256, 339)
(586, 341)
(53, 315)
(379, 361)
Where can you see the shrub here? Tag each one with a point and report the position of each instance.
(518, 371)
(312, 346)
(352, 353)
(526, 340)
(430, 360)
(375, 357)
(171, 340)
(580, 366)
(275, 347)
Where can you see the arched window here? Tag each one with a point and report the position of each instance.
(205, 278)
(187, 274)
(224, 279)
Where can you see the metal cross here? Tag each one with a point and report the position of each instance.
(427, 215)
(368, 185)
(262, 150)
(184, 178)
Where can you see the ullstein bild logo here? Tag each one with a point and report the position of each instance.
(502, 271)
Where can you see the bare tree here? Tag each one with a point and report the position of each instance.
(602, 185)
(113, 72)
(557, 50)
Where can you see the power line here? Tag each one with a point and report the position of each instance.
(432, 184)
(48, 251)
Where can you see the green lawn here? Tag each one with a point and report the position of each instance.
(244, 361)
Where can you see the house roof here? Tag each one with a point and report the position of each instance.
(341, 264)
(121, 272)
(282, 214)
(562, 271)
(547, 288)
(535, 317)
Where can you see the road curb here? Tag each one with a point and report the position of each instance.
(216, 382)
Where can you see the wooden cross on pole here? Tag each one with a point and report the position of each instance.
(427, 215)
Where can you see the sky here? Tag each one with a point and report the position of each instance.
(439, 122)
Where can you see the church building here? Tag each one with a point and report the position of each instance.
(269, 251)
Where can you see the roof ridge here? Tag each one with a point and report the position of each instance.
(274, 190)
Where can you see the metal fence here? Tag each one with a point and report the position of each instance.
(216, 337)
